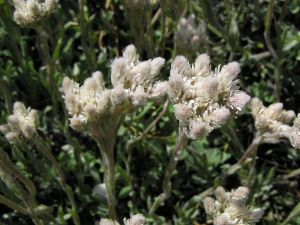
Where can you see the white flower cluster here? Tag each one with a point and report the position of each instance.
(29, 12)
(273, 123)
(133, 85)
(189, 36)
(203, 99)
(229, 208)
(137, 219)
(21, 124)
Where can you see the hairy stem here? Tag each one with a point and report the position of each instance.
(109, 176)
(13, 205)
(167, 185)
(48, 61)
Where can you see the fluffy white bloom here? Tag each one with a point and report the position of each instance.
(229, 208)
(133, 85)
(138, 78)
(30, 12)
(274, 123)
(204, 99)
(137, 219)
(21, 124)
(189, 36)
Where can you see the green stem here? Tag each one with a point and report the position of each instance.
(11, 204)
(7, 95)
(45, 150)
(167, 185)
(48, 61)
(109, 177)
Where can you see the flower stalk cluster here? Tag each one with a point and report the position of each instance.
(99, 111)
(274, 124)
(21, 125)
(229, 208)
(30, 12)
(204, 99)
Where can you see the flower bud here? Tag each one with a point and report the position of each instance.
(76, 124)
(294, 138)
(202, 65)
(13, 120)
(142, 72)
(238, 100)
(198, 130)
(118, 95)
(130, 54)
(159, 89)
(19, 108)
(118, 71)
(288, 116)
(207, 87)
(222, 219)
(4, 128)
(33, 115)
(220, 194)
(180, 66)
(50, 4)
(28, 131)
(229, 72)
(91, 111)
(33, 7)
(156, 65)
(139, 97)
(221, 115)
(209, 205)
(256, 214)
(98, 78)
(176, 84)
(90, 86)
(297, 121)
(240, 196)
(72, 103)
(12, 137)
(182, 113)
(274, 111)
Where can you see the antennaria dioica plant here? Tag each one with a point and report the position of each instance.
(172, 127)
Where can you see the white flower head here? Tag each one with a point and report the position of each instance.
(30, 12)
(275, 123)
(203, 99)
(133, 83)
(21, 125)
(229, 208)
(189, 36)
